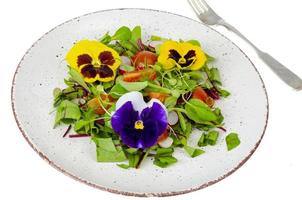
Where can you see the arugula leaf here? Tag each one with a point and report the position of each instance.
(193, 152)
(105, 39)
(165, 161)
(133, 86)
(170, 102)
(122, 34)
(129, 46)
(232, 141)
(67, 112)
(194, 42)
(86, 125)
(199, 112)
(117, 91)
(77, 77)
(215, 76)
(106, 151)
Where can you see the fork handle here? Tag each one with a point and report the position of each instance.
(289, 77)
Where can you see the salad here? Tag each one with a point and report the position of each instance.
(138, 99)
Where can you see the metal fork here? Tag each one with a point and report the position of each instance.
(207, 15)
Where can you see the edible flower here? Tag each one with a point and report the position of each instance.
(94, 61)
(139, 124)
(182, 55)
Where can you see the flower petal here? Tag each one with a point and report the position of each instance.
(106, 58)
(136, 99)
(155, 118)
(125, 116)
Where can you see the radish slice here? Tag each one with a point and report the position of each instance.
(125, 60)
(172, 118)
(166, 143)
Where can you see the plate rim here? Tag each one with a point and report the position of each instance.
(137, 194)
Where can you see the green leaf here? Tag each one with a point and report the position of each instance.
(124, 166)
(77, 77)
(215, 76)
(194, 42)
(164, 152)
(199, 112)
(210, 58)
(105, 39)
(106, 151)
(136, 34)
(156, 88)
(67, 112)
(129, 46)
(165, 161)
(212, 137)
(133, 86)
(202, 142)
(182, 121)
(133, 159)
(196, 75)
(156, 38)
(170, 102)
(222, 92)
(122, 34)
(232, 141)
(117, 91)
(193, 152)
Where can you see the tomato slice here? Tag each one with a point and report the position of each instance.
(163, 136)
(143, 75)
(142, 59)
(158, 95)
(200, 94)
(94, 104)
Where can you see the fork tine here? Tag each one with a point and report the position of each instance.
(196, 7)
(203, 4)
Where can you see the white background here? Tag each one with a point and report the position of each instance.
(274, 171)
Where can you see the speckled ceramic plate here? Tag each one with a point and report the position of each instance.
(43, 68)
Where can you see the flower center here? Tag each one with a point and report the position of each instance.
(182, 61)
(96, 64)
(139, 125)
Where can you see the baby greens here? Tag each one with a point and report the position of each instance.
(88, 106)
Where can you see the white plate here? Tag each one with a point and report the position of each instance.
(43, 68)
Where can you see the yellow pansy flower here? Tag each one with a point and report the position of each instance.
(94, 60)
(182, 55)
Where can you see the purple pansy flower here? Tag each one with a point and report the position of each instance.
(139, 124)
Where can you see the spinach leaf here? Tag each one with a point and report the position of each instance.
(133, 86)
(164, 161)
(67, 112)
(193, 152)
(107, 152)
(232, 141)
(122, 34)
(136, 34)
(199, 112)
(117, 91)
